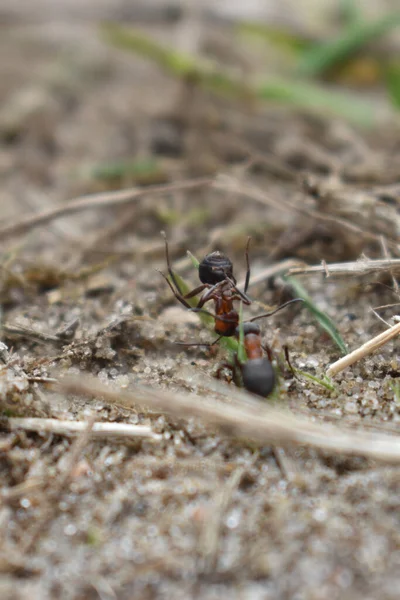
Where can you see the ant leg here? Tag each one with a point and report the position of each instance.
(189, 295)
(170, 271)
(268, 352)
(247, 281)
(207, 345)
(269, 314)
(196, 291)
(210, 294)
(176, 292)
(286, 351)
(242, 296)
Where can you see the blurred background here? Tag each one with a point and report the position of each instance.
(285, 117)
(101, 95)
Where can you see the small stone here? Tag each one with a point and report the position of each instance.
(351, 407)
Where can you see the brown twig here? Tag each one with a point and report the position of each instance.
(245, 417)
(105, 200)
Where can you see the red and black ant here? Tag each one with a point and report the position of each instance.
(257, 374)
(218, 284)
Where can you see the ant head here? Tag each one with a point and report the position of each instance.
(215, 267)
(258, 376)
(248, 327)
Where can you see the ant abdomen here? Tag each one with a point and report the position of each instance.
(249, 328)
(215, 267)
(258, 376)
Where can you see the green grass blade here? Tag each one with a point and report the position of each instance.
(173, 61)
(393, 83)
(141, 171)
(315, 98)
(194, 261)
(350, 12)
(325, 56)
(322, 318)
(300, 94)
(324, 382)
(281, 38)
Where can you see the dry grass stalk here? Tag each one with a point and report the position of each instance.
(211, 532)
(286, 463)
(246, 417)
(364, 350)
(30, 334)
(272, 270)
(22, 489)
(228, 184)
(387, 255)
(104, 200)
(59, 486)
(99, 430)
(363, 266)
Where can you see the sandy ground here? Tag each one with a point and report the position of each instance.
(190, 512)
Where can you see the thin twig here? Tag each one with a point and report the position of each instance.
(60, 484)
(285, 463)
(245, 417)
(363, 266)
(388, 257)
(364, 350)
(99, 430)
(105, 200)
(257, 195)
(22, 489)
(39, 379)
(211, 532)
(31, 334)
(271, 271)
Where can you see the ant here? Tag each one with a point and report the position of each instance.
(217, 283)
(256, 374)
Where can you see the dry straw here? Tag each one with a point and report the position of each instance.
(364, 350)
(245, 417)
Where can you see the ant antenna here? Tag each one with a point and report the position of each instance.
(207, 344)
(269, 314)
(247, 281)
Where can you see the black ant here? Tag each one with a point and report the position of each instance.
(218, 284)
